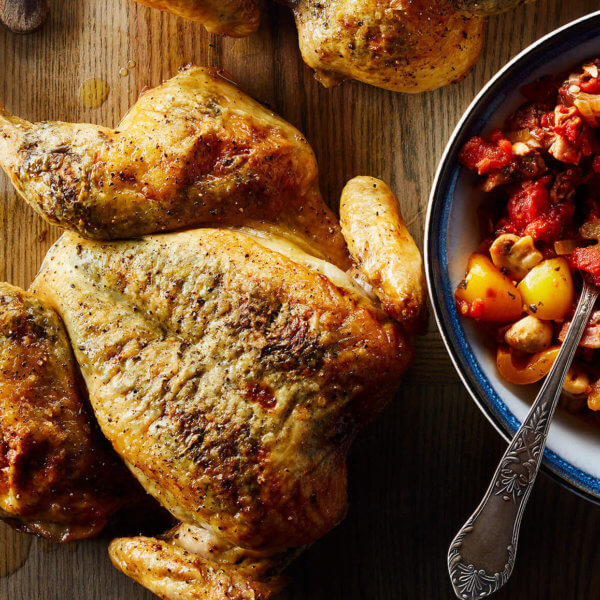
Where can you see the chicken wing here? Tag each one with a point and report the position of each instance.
(383, 249)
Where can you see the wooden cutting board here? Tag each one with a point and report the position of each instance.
(417, 472)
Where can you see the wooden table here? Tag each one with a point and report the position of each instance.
(418, 471)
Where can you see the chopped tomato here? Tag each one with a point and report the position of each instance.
(591, 85)
(547, 120)
(588, 260)
(569, 124)
(530, 200)
(485, 157)
(530, 211)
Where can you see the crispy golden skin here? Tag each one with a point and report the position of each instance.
(401, 45)
(383, 249)
(194, 150)
(58, 477)
(231, 371)
(236, 18)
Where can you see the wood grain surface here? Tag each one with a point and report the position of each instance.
(419, 470)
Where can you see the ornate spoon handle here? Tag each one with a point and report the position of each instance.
(482, 555)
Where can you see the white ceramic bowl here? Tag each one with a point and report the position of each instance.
(452, 233)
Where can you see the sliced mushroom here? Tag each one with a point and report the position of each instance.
(529, 335)
(515, 255)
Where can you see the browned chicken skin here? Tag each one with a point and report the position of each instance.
(230, 367)
(58, 477)
(401, 45)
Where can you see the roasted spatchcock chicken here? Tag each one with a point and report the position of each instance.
(229, 363)
(401, 45)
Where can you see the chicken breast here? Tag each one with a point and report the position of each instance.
(230, 378)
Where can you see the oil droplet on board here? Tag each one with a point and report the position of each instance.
(14, 550)
(123, 72)
(94, 92)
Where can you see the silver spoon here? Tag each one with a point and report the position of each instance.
(482, 555)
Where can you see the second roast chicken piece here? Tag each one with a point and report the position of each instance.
(236, 18)
(401, 45)
(58, 476)
(193, 150)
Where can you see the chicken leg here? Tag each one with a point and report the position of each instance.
(192, 151)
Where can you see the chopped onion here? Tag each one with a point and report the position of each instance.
(520, 135)
(589, 107)
(523, 136)
(562, 247)
(590, 230)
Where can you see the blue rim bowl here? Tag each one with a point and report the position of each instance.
(451, 234)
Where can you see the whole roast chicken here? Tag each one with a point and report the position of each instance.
(401, 45)
(231, 335)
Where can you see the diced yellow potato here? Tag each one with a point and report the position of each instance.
(486, 294)
(547, 290)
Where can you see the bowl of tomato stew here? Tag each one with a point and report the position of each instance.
(514, 217)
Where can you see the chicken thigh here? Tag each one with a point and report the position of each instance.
(401, 45)
(230, 366)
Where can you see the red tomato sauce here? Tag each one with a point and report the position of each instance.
(544, 163)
